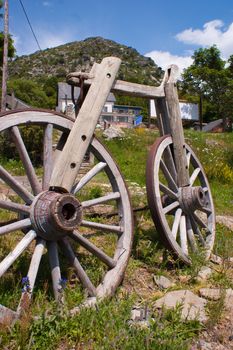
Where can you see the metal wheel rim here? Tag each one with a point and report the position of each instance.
(156, 206)
(114, 275)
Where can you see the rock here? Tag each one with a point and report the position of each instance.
(225, 220)
(193, 307)
(113, 132)
(204, 345)
(204, 273)
(216, 293)
(210, 293)
(139, 317)
(184, 278)
(216, 259)
(163, 282)
(139, 314)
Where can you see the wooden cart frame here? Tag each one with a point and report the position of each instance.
(50, 213)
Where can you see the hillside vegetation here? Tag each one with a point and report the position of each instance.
(34, 77)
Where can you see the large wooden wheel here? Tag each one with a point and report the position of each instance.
(184, 217)
(80, 236)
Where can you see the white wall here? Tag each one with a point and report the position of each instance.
(189, 111)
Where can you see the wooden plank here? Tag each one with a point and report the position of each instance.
(176, 128)
(68, 164)
(134, 89)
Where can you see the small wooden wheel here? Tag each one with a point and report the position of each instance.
(184, 217)
(87, 233)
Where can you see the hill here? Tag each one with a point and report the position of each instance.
(80, 55)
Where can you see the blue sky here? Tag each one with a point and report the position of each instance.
(168, 31)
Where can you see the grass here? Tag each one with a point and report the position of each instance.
(107, 326)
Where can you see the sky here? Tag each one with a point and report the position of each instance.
(165, 30)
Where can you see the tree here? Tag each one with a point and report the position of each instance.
(209, 78)
(11, 48)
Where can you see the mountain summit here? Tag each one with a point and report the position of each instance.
(80, 55)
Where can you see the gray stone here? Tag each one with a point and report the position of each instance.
(193, 307)
(163, 282)
(216, 259)
(139, 313)
(216, 293)
(225, 220)
(204, 273)
(113, 132)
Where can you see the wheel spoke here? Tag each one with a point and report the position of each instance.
(206, 210)
(86, 178)
(18, 208)
(47, 155)
(104, 227)
(170, 207)
(200, 222)
(32, 273)
(188, 155)
(168, 176)
(191, 237)
(176, 222)
(16, 186)
(109, 197)
(24, 156)
(183, 235)
(167, 191)
(169, 161)
(194, 176)
(93, 249)
(197, 231)
(55, 271)
(84, 279)
(15, 253)
(18, 225)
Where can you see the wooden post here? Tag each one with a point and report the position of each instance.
(5, 57)
(176, 126)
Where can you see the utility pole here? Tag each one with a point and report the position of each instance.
(5, 57)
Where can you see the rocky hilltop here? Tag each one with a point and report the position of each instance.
(80, 55)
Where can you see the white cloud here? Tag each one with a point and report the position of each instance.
(45, 38)
(164, 59)
(212, 33)
(47, 3)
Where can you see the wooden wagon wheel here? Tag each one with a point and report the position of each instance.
(61, 224)
(184, 217)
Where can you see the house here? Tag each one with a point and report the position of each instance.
(123, 116)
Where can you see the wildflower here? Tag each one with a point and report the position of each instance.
(63, 282)
(25, 284)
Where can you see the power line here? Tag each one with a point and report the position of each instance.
(30, 24)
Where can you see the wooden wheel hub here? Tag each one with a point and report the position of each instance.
(54, 215)
(192, 198)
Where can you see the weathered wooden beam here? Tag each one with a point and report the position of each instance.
(69, 161)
